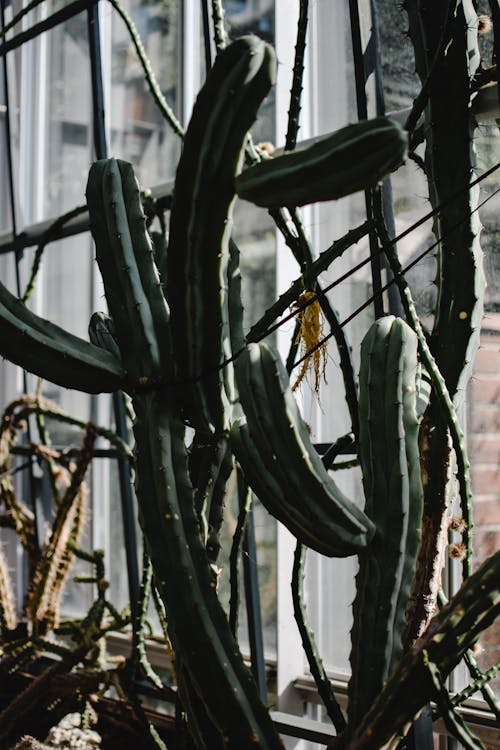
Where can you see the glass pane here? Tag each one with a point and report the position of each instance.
(138, 131)
(51, 133)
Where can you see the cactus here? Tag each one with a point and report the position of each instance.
(174, 341)
(450, 161)
(390, 462)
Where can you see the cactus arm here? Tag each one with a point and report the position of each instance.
(318, 671)
(200, 220)
(124, 253)
(49, 351)
(197, 623)
(389, 458)
(495, 17)
(449, 634)
(449, 129)
(351, 159)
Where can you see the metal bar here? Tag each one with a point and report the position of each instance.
(48, 23)
(207, 41)
(252, 599)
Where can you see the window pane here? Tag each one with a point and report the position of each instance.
(138, 131)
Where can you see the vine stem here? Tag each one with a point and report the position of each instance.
(298, 75)
(308, 642)
(421, 100)
(245, 501)
(474, 671)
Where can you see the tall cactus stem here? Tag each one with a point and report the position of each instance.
(309, 642)
(197, 624)
(298, 75)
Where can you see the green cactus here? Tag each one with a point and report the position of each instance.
(174, 341)
(390, 461)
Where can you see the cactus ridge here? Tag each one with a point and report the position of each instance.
(296, 487)
(353, 158)
(52, 353)
(197, 621)
(200, 220)
(132, 285)
(389, 457)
